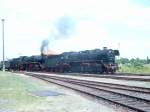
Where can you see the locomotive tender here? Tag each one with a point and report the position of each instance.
(88, 61)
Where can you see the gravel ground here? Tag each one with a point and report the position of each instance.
(21, 97)
(70, 101)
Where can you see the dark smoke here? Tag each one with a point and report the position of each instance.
(44, 45)
(64, 28)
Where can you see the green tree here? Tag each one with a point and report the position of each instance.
(148, 60)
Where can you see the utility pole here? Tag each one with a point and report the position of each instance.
(3, 44)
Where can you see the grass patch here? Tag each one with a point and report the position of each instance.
(15, 92)
(127, 68)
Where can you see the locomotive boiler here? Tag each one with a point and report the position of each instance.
(88, 61)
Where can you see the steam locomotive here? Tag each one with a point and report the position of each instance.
(88, 61)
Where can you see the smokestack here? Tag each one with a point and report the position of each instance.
(104, 48)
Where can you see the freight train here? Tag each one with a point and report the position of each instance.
(88, 61)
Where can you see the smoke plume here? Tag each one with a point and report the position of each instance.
(44, 45)
(63, 28)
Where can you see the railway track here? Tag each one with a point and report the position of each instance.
(127, 77)
(131, 97)
(116, 74)
(133, 74)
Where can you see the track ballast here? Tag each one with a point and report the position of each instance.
(131, 97)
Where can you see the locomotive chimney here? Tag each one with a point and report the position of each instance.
(42, 57)
(104, 48)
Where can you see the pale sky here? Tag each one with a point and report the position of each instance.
(74, 25)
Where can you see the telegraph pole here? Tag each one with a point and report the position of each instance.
(3, 44)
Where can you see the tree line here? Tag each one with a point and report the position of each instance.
(134, 62)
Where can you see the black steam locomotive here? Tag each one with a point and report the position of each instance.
(89, 61)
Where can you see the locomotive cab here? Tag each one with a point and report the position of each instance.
(109, 60)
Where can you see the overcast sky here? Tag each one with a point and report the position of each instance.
(74, 25)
